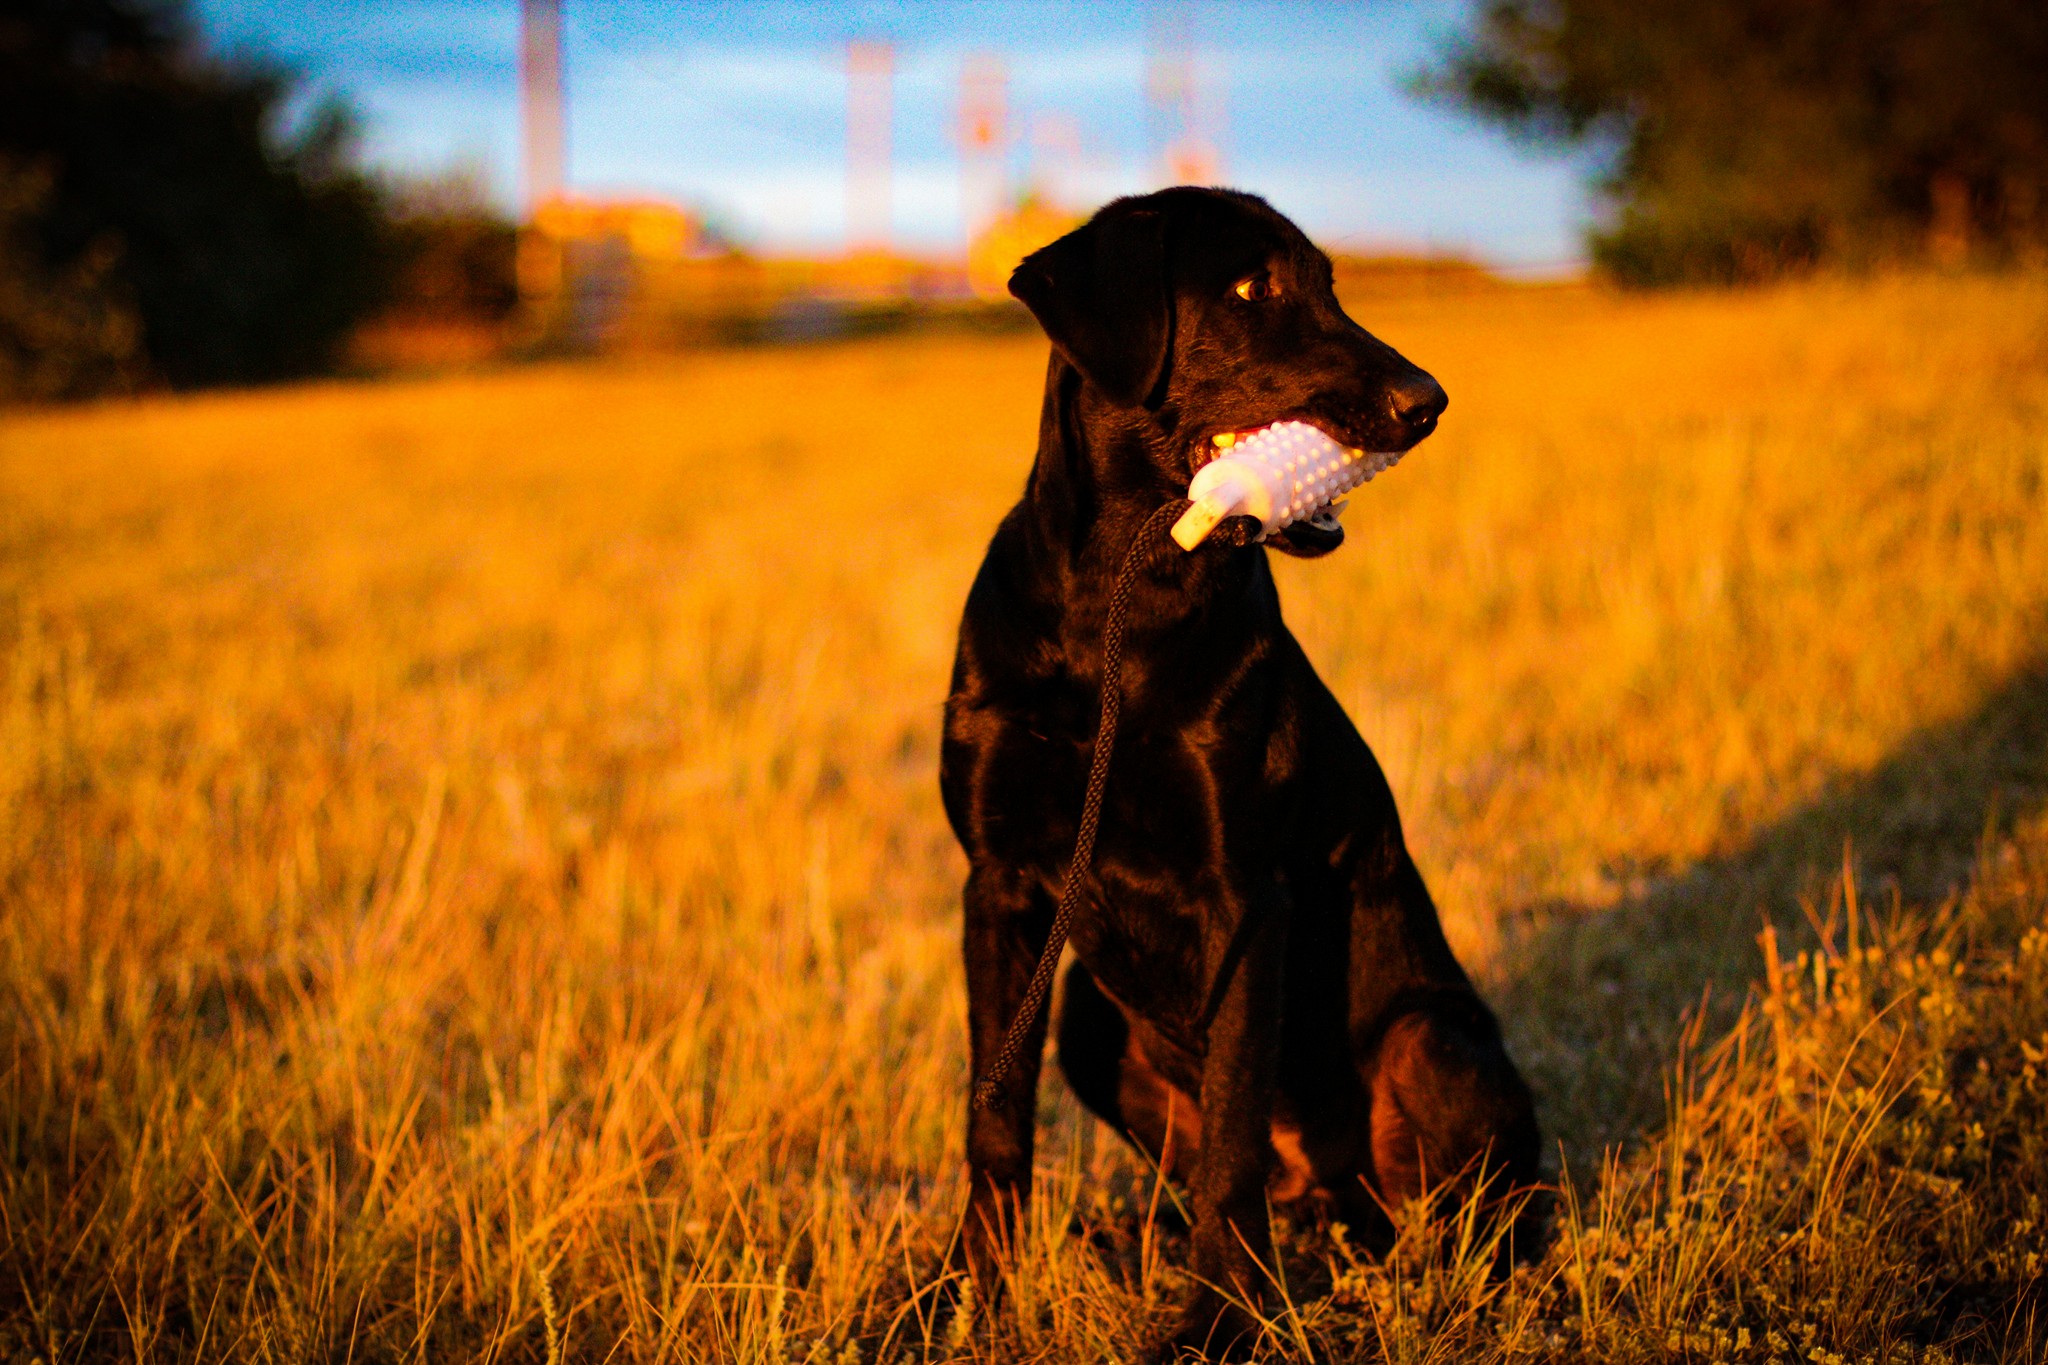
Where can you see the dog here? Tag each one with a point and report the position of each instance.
(1263, 999)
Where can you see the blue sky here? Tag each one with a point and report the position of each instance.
(739, 109)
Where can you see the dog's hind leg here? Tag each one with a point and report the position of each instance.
(1449, 1111)
(1106, 1063)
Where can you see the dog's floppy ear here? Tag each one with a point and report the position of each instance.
(1101, 294)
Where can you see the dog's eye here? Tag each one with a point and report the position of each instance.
(1258, 288)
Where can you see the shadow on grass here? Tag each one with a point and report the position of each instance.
(1598, 999)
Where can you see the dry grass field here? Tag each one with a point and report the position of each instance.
(472, 884)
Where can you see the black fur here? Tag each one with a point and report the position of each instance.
(1259, 963)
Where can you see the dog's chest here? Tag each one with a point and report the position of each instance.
(1170, 812)
(1181, 836)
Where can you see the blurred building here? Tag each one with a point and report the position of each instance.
(596, 273)
(646, 274)
(1009, 238)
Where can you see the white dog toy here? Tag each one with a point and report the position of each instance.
(1288, 472)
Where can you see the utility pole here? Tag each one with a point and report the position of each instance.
(541, 264)
(984, 141)
(1056, 156)
(540, 100)
(1176, 118)
(870, 70)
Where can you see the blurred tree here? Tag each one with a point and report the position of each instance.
(62, 332)
(454, 255)
(1754, 137)
(161, 213)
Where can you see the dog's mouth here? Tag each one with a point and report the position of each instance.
(1315, 535)
(1214, 445)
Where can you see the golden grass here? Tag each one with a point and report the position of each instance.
(472, 883)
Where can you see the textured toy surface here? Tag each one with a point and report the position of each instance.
(1281, 474)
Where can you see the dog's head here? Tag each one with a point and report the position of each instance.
(1204, 313)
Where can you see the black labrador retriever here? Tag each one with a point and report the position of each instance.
(1263, 1000)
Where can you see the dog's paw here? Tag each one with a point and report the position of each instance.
(1211, 1328)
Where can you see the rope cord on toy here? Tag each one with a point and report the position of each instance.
(988, 1091)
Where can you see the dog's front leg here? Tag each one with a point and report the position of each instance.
(1008, 917)
(1233, 1240)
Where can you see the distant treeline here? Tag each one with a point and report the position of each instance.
(171, 217)
(165, 219)
(1751, 138)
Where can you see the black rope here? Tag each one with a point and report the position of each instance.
(988, 1091)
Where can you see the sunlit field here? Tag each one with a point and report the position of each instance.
(472, 882)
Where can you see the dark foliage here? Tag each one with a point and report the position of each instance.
(1755, 137)
(453, 256)
(157, 220)
(65, 330)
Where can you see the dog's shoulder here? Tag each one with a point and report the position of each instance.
(1010, 625)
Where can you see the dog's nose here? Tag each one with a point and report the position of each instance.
(1418, 401)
